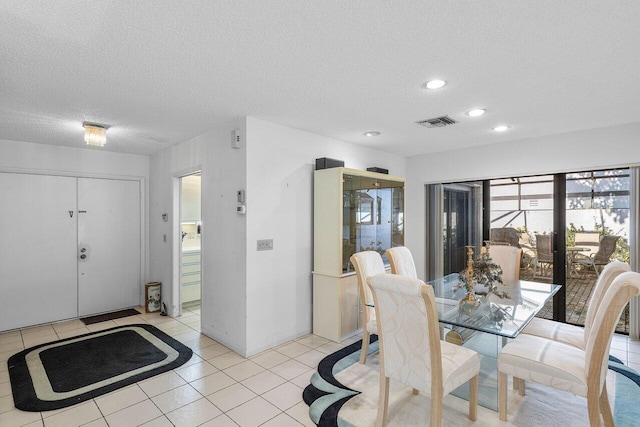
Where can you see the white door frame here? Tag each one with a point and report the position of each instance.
(176, 250)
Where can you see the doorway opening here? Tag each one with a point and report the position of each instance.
(190, 244)
(461, 204)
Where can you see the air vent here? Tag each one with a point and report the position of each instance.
(438, 122)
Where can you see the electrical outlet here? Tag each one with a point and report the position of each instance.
(265, 245)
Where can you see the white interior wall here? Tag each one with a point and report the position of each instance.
(573, 151)
(223, 237)
(280, 164)
(55, 160)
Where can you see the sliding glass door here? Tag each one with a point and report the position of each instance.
(598, 230)
(569, 226)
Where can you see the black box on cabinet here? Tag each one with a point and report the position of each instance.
(379, 170)
(327, 163)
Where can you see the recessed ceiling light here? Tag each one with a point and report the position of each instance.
(476, 113)
(434, 84)
(501, 128)
(372, 133)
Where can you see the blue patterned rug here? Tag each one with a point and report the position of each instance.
(326, 395)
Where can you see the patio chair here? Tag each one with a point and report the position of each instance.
(366, 263)
(528, 252)
(410, 348)
(505, 236)
(589, 240)
(600, 258)
(544, 254)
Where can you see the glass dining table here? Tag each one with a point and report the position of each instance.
(499, 316)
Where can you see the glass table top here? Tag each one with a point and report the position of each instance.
(505, 316)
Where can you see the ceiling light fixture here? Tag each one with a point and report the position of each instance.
(434, 84)
(372, 133)
(95, 134)
(501, 128)
(476, 113)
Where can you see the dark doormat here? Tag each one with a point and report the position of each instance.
(109, 316)
(69, 371)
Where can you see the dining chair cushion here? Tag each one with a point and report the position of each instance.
(557, 331)
(547, 362)
(458, 365)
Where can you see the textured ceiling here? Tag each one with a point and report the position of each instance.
(161, 72)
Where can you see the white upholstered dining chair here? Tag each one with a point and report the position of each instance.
(571, 334)
(566, 367)
(508, 258)
(401, 262)
(366, 263)
(410, 348)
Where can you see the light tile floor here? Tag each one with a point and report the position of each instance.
(215, 388)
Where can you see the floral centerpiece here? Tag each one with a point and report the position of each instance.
(485, 273)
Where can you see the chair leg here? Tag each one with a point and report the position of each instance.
(436, 409)
(473, 398)
(383, 401)
(593, 406)
(521, 386)
(605, 408)
(595, 267)
(502, 396)
(365, 346)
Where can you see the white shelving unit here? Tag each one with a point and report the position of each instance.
(354, 210)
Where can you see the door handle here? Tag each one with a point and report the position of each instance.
(83, 256)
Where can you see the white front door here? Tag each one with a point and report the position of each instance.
(108, 248)
(38, 244)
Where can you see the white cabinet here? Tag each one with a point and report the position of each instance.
(353, 211)
(190, 275)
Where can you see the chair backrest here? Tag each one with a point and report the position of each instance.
(624, 287)
(508, 258)
(506, 235)
(606, 249)
(544, 247)
(408, 331)
(401, 262)
(609, 273)
(366, 263)
(590, 240)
